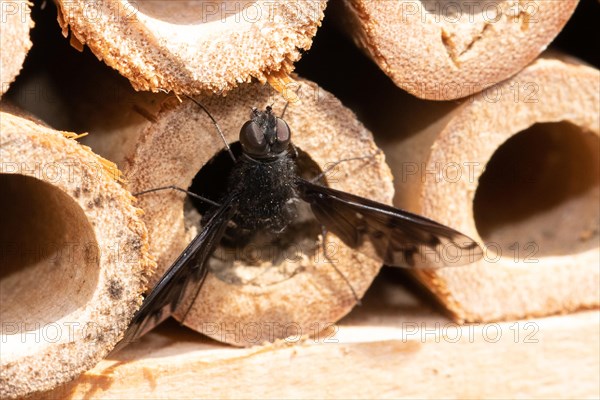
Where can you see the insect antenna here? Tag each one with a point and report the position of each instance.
(216, 125)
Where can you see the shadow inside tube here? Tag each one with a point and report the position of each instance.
(541, 190)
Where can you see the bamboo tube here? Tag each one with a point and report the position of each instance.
(74, 257)
(517, 168)
(442, 50)
(196, 46)
(171, 141)
(15, 22)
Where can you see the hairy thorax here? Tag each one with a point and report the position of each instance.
(267, 192)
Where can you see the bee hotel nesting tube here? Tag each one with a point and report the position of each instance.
(247, 300)
(516, 167)
(74, 257)
(193, 46)
(444, 50)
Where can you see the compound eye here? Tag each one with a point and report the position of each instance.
(283, 136)
(253, 140)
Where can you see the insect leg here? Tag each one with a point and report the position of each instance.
(294, 151)
(171, 187)
(202, 277)
(335, 164)
(324, 246)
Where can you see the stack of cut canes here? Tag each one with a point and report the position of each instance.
(496, 138)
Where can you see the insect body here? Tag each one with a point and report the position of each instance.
(263, 190)
(263, 180)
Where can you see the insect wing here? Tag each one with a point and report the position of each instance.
(184, 277)
(396, 236)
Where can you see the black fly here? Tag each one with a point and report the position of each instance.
(263, 190)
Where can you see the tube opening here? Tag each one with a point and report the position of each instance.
(49, 255)
(201, 11)
(540, 192)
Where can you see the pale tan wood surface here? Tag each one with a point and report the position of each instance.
(534, 208)
(160, 141)
(443, 50)
(75, 256)
(193, 46)
(392, 347)
(15, 24)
